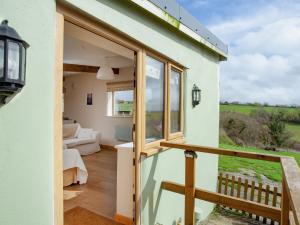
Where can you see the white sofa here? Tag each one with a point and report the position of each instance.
(87, 141)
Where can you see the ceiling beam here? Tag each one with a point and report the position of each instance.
(85, 68)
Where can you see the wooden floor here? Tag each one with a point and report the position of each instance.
(99, 194)
(81, 216)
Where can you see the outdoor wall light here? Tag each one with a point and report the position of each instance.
(12, 62)
(196, 96)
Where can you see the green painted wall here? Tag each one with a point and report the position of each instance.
(26, 132)
(26, 123)
(201, 123)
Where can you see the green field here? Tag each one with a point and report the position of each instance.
(246, 109)
(295, 130)
(269, 169)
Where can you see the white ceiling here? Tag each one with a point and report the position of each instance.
(85, 48)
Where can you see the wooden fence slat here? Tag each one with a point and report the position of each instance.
(239, 187)
(220, 183)
(238, 194)
(226, 184)
(274, 201)
(232, 186)
(252, 194)
(245, 191)
(259, 197)
(266, 200)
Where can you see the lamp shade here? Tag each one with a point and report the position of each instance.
(105, 73)
(12, 62)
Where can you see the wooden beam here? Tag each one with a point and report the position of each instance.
(285, 206)
(291, 186)
(189, 192)
(229, 201)
(85, 68)
(138, 133)
(152, 151)
(220, 151)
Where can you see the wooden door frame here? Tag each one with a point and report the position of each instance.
(67, 13)
(58, 143)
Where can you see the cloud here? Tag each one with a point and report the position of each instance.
(264, 54)
(257, 78)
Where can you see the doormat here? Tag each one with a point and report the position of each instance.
(70, 194)
(82, 216)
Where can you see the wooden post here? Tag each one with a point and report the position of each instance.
(190, 165)
(285, 205)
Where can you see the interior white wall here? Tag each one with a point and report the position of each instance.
(94, 116)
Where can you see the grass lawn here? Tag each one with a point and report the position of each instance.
(269, 169)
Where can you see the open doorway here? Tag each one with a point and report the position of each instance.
(98, 117)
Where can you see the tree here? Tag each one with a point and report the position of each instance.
(277, 129)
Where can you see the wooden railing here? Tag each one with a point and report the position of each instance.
(290, 186)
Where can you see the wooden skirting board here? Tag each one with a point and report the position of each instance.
(108, 147)
(123, 219)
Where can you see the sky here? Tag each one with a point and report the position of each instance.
(263, 37)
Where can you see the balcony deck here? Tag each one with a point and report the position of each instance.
(288, 213)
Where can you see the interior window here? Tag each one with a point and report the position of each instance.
(175, 100)
(120, 103)
(154, 99)
(123, 103)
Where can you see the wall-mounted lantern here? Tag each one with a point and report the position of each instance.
(196, 95)
(12, 62)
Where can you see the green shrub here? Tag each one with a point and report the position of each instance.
(279, 135)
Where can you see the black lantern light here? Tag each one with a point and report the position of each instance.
(12, 62)
(196, 95)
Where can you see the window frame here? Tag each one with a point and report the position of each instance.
(155, 143)
(114, 87)
(178, 134)
(167, 136)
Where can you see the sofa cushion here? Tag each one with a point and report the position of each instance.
(85, 133)
(73, 142)
(69, 130)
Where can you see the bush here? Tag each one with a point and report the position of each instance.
(260, 128)
(275, 123)
(243, 129)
